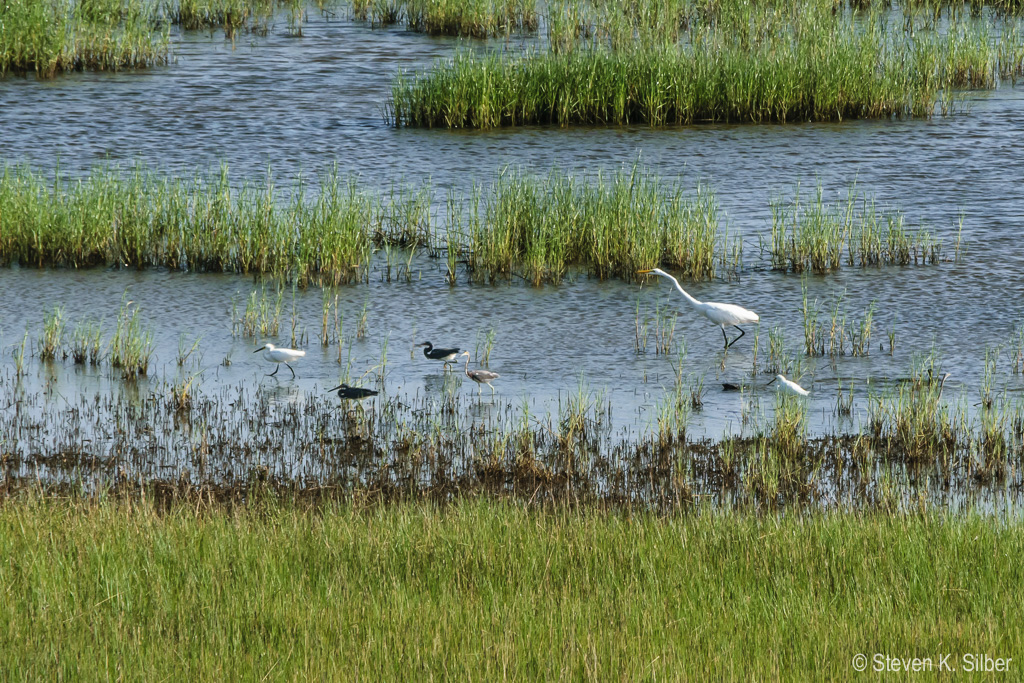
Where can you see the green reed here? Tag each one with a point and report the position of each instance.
(911, 421)
(131, 347)
(813, 235)
(229, 15)
(138, 219)
(745, 65)
(52, 342)
(473, 18)
(613, 225)
(49, 38)
(262, 316)
(836, 335)
(487, 588)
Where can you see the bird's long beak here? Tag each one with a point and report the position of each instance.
(259, 349)
(642, 272)
(773, 379)
(334, 389)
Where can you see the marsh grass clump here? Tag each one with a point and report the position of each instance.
(788, 430)
(207, 224)
(475, 18)
(678, 63)
(49, 38)
(229, 15)
(471, 18)
(737, 63)
(837, 335)
(811, 236)
(131, 347)
(612, 225)
(52, 343)
(911, 421)
(262, 316)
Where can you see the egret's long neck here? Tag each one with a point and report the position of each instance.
(689, 299)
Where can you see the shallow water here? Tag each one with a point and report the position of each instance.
(306, 103)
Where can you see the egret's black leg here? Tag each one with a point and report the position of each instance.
(275, 371)
(726, 337)
(730, 343)
(293, 372)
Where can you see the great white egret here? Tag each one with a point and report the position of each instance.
(723, 315)
(788, 386)
(276, 355)
(480, 376)
(446, 355)
(355, 393)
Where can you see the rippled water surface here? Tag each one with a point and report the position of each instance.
(306, 103)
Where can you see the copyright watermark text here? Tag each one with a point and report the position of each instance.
(968, 663)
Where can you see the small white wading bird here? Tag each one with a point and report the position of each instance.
(723, 315)
(480, 376)
(276, 355)
(789, 387)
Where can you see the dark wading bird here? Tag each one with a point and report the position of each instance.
(446, 355)
(480, 376)
(723, 315)
(346, 392)
(276, 355)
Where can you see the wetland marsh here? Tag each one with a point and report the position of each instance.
(185, 182)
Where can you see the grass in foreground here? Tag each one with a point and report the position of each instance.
(484, 589)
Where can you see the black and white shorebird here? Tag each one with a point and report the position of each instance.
(345, 392)
(481, 377)
(446, 355)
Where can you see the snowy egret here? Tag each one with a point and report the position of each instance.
(723, 315)
(480, 376)
(276, 355)
(446, 355)
(356, 393)
(789, 387)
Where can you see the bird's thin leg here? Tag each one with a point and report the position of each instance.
(736, 339)
(725, 336)
(290, 368)
(275, 371)
(492, 390)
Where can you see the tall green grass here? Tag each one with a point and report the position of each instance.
(142, 219)
(613, 225)
(48, 38)
(520, 225)
(801, 64)
(475, 18)
(491, 590)
(812, 235)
